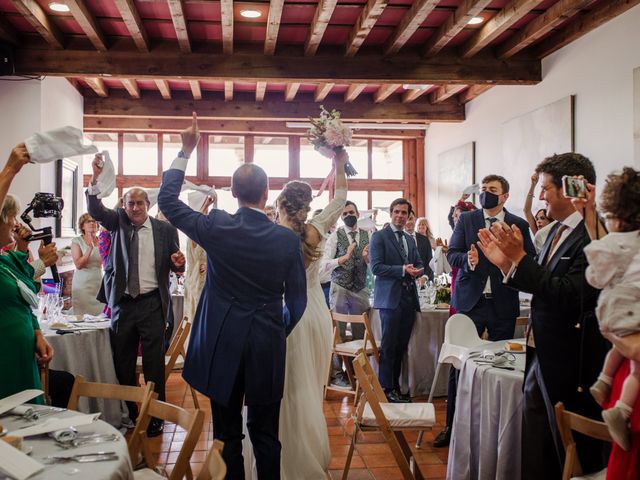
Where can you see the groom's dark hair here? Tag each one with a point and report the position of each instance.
(248, 183)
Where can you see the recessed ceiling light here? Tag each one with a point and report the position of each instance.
(59, 7)
(476, 20)
(415, 86)
(250, 13)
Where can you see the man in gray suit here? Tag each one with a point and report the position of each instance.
(136, 286)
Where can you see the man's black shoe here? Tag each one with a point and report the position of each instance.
(394, 397)
(405, 397)
(155, 428)
(443, 438)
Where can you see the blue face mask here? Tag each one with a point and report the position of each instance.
(489, 200)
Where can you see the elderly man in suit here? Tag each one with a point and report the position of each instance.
(237, 351)
(565, 350)
(396, 264)
(136, 286)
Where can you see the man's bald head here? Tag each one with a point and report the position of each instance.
(250, 184)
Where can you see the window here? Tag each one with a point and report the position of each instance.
(226, 154)
(314, 165)
(272, 154)
(381, 202)
(102, 141)
(140, 154)
(318, 203)
(112, 200)
(226, 201)
(171, 145)
(387, 159)
(360, 198)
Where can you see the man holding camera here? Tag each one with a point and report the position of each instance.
(136, 285)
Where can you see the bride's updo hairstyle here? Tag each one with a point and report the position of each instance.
(295, 200)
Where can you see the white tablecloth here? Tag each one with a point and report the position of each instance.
(44, 446)
(485, 442)
(88, 353)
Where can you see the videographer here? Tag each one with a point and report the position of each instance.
(22, 345)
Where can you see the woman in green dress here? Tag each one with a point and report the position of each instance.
(22, 345)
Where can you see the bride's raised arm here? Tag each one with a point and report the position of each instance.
(330, 214)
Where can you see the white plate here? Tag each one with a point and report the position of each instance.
(27, 449)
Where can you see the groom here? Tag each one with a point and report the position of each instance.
(237, 350)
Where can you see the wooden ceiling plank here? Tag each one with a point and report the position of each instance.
(410, 95)
(419, 11)
(454, 25)
(554, 16)
(261, 89)
(446, 91)
(244, 106)
(88, 23)
(131, 86)
(384, 91)
(586, 23)
(132, 20)
(290, 91)
(472, 92)
(353, 91)
(366, 21)
(196, 91)
(7, 32)
(322, 91)
(324, 10)
(98, 86)
(228, 91)
(273, 26)
(37, 18)
(226, 11)
(509, 15)
(176, 7)
(165, 91)
(406, 68)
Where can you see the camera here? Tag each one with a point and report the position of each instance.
(574, 187)
(46, 205)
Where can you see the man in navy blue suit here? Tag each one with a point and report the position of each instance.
(237, 350)
(396, 263)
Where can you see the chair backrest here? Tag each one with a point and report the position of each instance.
(522, 321)
(176, 348)
(369, 341)
(461, 331)
(214, 467)
(191, 422)
(568, 422)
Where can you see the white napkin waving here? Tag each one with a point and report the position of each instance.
(106, 182)
(62, 142)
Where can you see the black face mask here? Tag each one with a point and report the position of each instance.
(350, 220)
(489, 200)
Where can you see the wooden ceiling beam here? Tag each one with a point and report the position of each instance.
(419, 11)
(244, 106)
(163, 87)
(410, 95)
(132, 20)
(472, 92)
(384, 91)
(290, 91)
(444, 92)
(131, 86)
(176, 7)
(586, 23)
(38, 19)
(367, 19)
(273, 26)
(226, 11)
(453, 25)
(322, 91)
(324, 10)
(196, 91)
(88, 23)
(7, 32)
(98, 86)
(261, 89)
(509, 15)
(228, 91)
(353, 91)
(443, 69)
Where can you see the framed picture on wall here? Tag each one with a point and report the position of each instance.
(67, 189)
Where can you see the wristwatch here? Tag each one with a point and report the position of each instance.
(181, 154)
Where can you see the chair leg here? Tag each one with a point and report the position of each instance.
(355, 396)
(352, 447)
(419, 439)
(408, 455)
(430, 399)
(196, 403)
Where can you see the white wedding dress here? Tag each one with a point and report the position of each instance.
(303, 429)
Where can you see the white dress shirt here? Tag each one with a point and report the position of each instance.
(329, 260)
(500, 217)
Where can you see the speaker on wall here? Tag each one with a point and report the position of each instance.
(6, 60)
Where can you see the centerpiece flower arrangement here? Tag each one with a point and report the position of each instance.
(443, 289)
(329, 136)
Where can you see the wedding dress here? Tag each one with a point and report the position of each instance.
(303, 429)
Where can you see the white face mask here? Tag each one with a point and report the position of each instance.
(28, 295)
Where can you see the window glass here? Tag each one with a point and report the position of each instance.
(387, 159)
(140, 154)
(381, 202)
(171, 145)
(226, 154)
(102, 141)
(314, 165)
(272, 154)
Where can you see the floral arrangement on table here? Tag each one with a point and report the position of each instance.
(329, 136)
(443, 294)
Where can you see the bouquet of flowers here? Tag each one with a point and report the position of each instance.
(443, 294)
(329, 136)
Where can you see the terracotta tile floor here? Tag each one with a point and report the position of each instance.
(371, 461)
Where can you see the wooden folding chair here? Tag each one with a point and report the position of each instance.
(214, 467)
(190, 421)
(375, 413)
(175, 356)
(569, 421)
(349, 350)
(140, 395)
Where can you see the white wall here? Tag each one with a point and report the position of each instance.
(597, 69)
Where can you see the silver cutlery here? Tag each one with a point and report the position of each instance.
(83, 458)
(88, 439)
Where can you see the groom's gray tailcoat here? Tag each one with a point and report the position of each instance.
(251, 263)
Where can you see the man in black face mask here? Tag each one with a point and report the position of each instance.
(346, 256)
(480, 292)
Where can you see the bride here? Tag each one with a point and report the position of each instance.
(303, 429)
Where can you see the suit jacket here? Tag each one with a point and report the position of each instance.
(114, 280)
(426, 253)
(471, 283)
(386, 262)
(569, 346)
(239, 322)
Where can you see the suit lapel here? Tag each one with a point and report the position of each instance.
(575, 236)
(478, 221)
(394, 240)
(157, 243)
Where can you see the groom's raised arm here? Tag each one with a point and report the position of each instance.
(295, 291)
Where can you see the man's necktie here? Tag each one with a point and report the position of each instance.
(353, 236)
(554, 242)
(133, 278)
(399, 235)
(491, 221)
